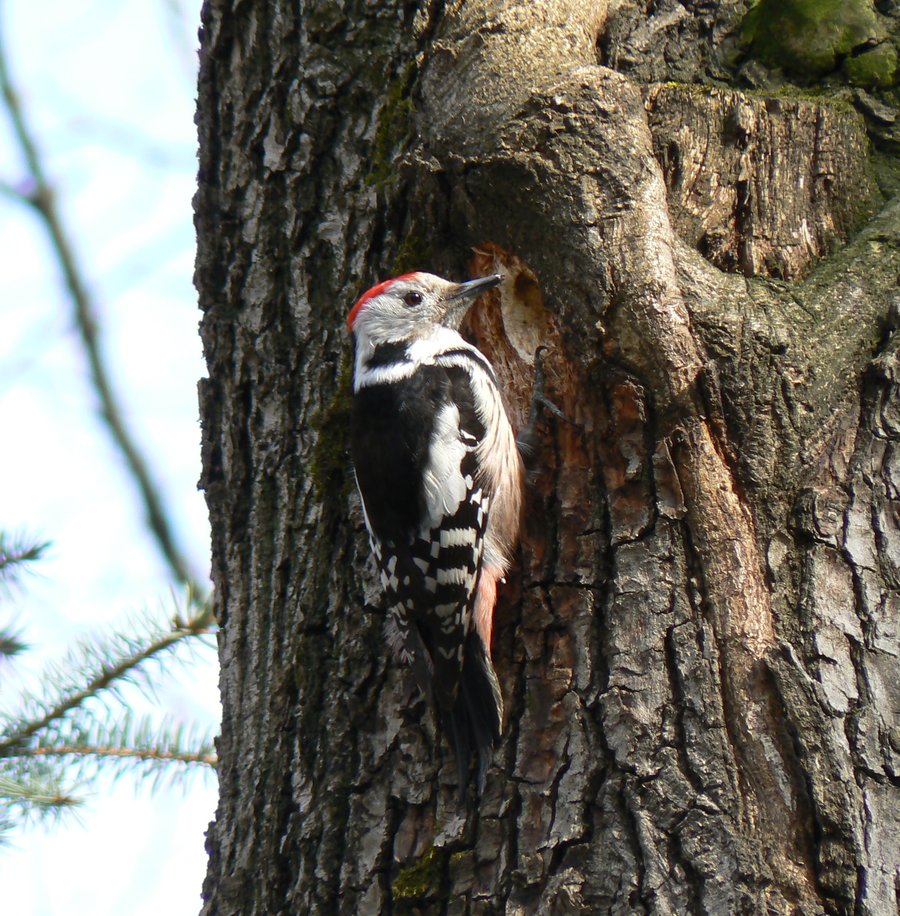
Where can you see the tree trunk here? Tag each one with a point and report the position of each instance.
(699, 647)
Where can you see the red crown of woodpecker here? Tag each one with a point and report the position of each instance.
(376, 290)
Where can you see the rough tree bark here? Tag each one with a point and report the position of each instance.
(699, 648)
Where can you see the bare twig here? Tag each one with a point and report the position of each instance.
(40, 198)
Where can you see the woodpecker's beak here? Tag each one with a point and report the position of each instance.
(456, 302)
(473, 288)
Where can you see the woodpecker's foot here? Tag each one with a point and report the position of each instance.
(412, 697)
(538, 398)
(527, 440)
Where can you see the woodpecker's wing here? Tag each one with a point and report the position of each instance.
(414, 446)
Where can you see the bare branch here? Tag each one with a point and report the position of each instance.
(84, 314)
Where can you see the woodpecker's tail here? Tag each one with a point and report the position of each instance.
(475, 720)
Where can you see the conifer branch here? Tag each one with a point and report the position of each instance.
(136, 753)
(14, 556)
(109, 669)
(10, 643)
(33, 794)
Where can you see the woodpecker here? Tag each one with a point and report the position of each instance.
(441, 479)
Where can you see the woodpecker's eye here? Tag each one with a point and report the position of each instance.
(413, 298)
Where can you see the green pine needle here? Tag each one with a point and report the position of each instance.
(101, 667)
(87, 743)
(78, 724)
(16, 554)
(10, 643)
(34, 793)
(31, 794)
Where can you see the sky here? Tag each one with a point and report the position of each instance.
(109, 88)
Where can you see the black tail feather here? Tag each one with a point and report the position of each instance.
(476, 718)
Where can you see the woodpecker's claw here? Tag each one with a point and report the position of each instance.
(527, 440)
(538, 398)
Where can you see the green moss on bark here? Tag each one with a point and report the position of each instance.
(412, 254)
(394, 129)
(330, 457)
(419, 883)
(875, 69)
(809, 38)
(415, 880)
